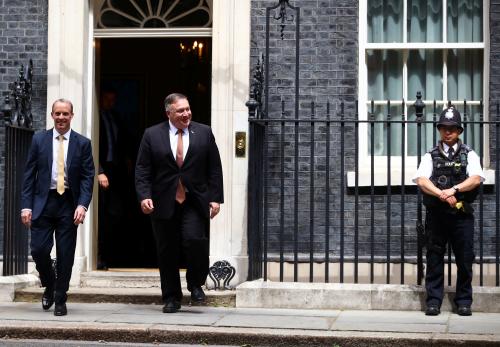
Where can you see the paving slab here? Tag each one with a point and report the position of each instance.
(282, 312)
(179, 318)
(37, 314)
(390, 327)
(475, 324)
(389, 317)
(274, 321)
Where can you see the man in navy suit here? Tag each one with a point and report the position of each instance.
(178, 179)
(56, 193)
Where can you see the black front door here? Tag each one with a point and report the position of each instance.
(133, 76)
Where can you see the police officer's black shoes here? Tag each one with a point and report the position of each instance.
(171, 306)
(432, 310)
(60, 309)
(464, 310)
(47, 298)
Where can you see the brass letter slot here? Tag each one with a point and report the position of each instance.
(240, 144)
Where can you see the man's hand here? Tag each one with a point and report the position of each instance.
(445, 194)
(26, 218)
(452, 201)
(214, 209)
(147, 206)
(79, 215)
(103, 181)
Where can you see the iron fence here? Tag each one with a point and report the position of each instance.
(18, 134)
(307, 204)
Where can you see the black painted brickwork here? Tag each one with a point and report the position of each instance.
(23, 36)
(329, 72)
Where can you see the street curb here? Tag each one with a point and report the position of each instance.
(151, 333)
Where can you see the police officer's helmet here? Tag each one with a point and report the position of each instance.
(450, 117)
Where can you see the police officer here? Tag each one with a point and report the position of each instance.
(449, 176)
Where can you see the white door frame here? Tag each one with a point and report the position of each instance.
(71, 74)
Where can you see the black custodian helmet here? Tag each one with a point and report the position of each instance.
(450, 117)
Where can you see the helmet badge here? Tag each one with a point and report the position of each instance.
(449, 113)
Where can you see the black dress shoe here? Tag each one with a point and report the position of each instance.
(197, 294)
(171, 306)
(47, 298)
(60, 310)
(464, 310)
(432, 310)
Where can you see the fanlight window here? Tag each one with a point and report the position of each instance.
(154, 13)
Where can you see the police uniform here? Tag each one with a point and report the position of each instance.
(447, 167)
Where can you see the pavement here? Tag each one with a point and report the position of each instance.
(203, 325)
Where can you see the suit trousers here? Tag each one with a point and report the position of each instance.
(184, 237)
(458, 230)
(57, 217)
(112, 214)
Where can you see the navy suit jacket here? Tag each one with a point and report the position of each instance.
(37, 176)
(157, 173)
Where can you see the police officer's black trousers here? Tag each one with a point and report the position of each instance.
(458, 229)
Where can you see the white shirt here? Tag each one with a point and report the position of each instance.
(174, 137)
(55, 152)
(473, 164)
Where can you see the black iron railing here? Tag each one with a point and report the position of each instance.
(302, 211)
(18, 134)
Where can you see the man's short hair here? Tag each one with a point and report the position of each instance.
(63, 101)
(171, 98)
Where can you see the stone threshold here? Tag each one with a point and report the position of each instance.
(126, 295)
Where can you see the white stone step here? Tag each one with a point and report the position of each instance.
(129, 278)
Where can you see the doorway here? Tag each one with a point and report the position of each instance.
(133, 76)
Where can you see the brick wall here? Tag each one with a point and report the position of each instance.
(23, 36)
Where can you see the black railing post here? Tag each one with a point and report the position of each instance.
(257, 260)
(403, 192)
(372, 191)
(419, 113)
(497, 195)
(254, 265)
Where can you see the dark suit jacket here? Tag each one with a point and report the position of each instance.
(80, 170)
(120, 147)
(157, 173)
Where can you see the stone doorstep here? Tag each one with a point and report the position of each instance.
(336, 296)
(124, 279)
(214, 298)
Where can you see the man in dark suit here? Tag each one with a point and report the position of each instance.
(112, 178)
(179, 183)
(56, 193)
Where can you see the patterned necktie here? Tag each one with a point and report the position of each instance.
(60, 166)
(451, 151)
(180, 194)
